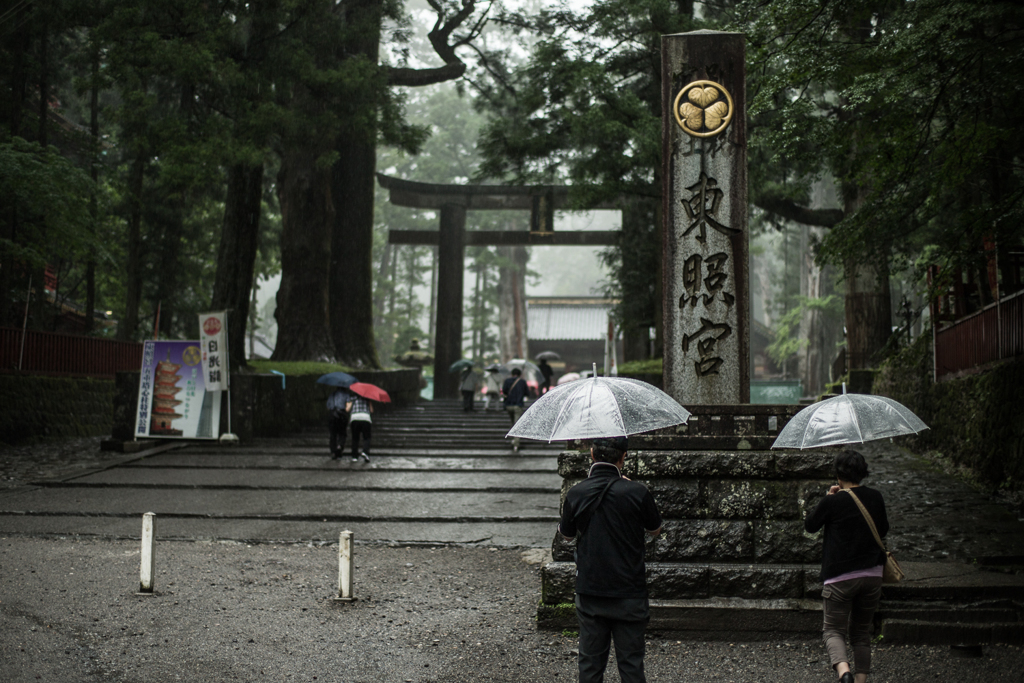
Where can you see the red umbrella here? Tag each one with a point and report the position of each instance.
(370, 391)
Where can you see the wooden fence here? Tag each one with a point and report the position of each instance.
(994, 333)
(52, 353)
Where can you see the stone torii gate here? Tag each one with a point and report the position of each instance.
(453, 201)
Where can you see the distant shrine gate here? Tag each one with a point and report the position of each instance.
(453, 201)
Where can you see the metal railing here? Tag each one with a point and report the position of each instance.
(49, 352)
(994, 333)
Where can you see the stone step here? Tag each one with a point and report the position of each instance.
(295, 505)
(383, 460)
(921, 632)
(753, 620)
(713, 619)
(961, 585)
(351, 478)
(1002, 611)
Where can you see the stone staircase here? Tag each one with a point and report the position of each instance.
(733, 561)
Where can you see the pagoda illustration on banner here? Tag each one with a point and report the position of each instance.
(166, 388)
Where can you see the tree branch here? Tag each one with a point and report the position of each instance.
(441, 39)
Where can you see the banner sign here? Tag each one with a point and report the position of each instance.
(174, 400)
(213, 333)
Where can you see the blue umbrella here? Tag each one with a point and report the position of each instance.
(337, 379)
(460, 365)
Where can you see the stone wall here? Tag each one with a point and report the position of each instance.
(976, 421)
(733, 510)
(37, 407)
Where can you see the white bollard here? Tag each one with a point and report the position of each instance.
(345, 564)
(147, 559)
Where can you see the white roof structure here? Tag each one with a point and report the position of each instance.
(567, 318)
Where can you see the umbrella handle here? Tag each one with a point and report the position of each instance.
(595, 370)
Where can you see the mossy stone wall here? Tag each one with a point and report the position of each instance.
(976, 421)
(37, 407)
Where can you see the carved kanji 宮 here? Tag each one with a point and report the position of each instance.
(706, 347)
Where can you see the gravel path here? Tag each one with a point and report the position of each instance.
(231, 612)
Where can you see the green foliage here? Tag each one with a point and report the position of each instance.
(50, 197)
(912, 106)
(975, 421)
(297, 367)
(787, 342)
(651, 366)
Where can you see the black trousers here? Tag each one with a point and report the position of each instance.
(338, 427)
(467, 400)
(603, 620)
(360, 428)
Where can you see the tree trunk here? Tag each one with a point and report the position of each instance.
(868, 314)
(868, 303)
(379, 293)
(94, 173)
(303, 331)
(236, 255)
(167, 267)
(351, 268)
(127, 328)
(512, 302)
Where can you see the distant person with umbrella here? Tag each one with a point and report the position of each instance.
(469, 382)
(547, 371)
(514, 393)
(611, 517)
(337, 420)
(360, 410)
(337, 416)
(492, 386)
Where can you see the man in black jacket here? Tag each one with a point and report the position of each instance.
(610, 516)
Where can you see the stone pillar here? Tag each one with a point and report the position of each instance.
(450, 266)
(706, 291)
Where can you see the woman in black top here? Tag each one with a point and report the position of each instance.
(851, 565)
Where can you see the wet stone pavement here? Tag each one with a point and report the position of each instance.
(934, 516)
(21, 465)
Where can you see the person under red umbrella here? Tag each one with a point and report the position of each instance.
(360, 410)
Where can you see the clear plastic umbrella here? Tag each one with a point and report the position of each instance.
(598, 407)
(849, 418)
(525, 367)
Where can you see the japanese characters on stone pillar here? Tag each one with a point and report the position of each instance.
(705, 218)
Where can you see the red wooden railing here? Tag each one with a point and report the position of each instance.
(49, 352)
(994, 333)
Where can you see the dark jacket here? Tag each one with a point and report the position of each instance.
(610, 536)
(849, 544)
(514, 391)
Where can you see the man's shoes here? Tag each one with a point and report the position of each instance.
(364, 455)
(846, 677)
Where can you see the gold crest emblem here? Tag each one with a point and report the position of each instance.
(191, 355)
(703, 109)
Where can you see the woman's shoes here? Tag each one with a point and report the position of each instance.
(846, 677)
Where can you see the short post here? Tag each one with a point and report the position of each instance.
(345, 567)
(147, 558)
